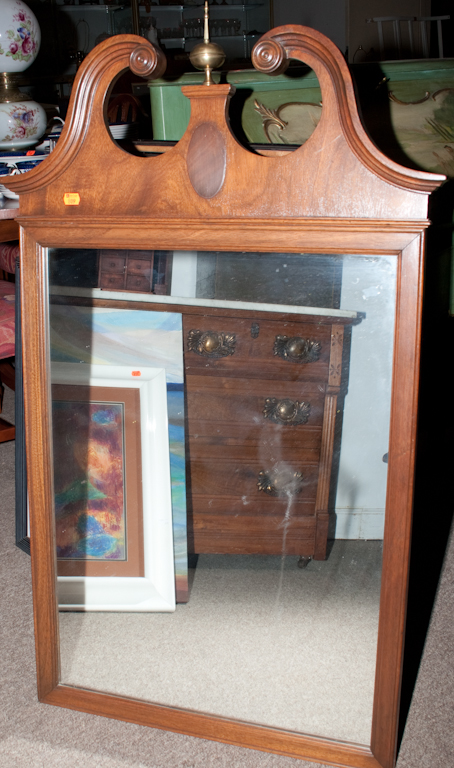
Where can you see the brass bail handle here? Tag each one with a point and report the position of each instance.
(211, 343)
(282, 481)
(285, 411)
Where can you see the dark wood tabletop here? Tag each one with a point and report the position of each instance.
(9, 229)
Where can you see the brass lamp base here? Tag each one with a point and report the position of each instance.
(9, 90)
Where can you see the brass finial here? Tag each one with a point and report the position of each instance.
(207, 55)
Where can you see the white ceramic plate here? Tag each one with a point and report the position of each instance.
(123, 130)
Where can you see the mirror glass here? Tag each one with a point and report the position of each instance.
(220, 439)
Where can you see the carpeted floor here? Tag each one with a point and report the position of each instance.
(260, 640)
(35, 735)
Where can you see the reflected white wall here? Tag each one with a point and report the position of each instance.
(369, 286)
(184, 274)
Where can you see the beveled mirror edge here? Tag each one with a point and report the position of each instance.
(397, 539)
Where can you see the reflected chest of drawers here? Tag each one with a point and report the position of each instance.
(261, 402)
(126, 270)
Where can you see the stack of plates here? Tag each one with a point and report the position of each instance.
(12, 163)
(11, 158)
(124, 130)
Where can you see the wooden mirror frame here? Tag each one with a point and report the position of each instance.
(335, 194)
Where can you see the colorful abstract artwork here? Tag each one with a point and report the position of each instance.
(115, 336)
(89, 480)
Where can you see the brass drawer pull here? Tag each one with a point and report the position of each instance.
(295, 349)
(211, 343)
(281, 482)
(290, 412)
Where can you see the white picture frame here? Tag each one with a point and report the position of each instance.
(155, 591)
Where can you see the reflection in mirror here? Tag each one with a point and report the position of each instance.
(277, 380)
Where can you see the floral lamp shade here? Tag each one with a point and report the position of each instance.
(22, 120)
(20, 36)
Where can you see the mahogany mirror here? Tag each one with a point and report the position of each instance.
(221, 353)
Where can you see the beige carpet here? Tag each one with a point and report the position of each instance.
(260, 640)
(34, 735)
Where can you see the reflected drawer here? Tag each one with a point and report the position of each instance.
(139, 267)
(112, 263)
(226, 346)
(115, 282)
(240, 478)
(138, 283)
(283, 409)
(252, 529)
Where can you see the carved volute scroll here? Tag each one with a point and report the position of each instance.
(92, 83)
(272, 55)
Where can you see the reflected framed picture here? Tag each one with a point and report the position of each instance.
(116, 336)
(113, 335)
(113, 531)
(98, 480)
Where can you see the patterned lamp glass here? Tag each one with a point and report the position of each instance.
(22, 121)
(20, 36)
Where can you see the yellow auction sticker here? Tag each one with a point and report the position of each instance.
(71, 198)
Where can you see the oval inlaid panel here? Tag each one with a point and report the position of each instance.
(206, 160)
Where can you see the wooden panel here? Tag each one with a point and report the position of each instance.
(207, 160)
(265, 507)
(9, 228)
(253, 536)
(303, 390)
(212, 727)
(7, 431)
(302, 235)
(141, 255)
(240, 441)
(38, 435)
(396, 547)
